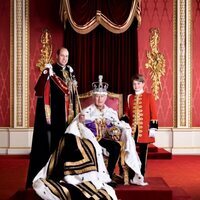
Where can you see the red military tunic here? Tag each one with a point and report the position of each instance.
(142, 113)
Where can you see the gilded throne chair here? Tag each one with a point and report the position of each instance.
(114, 101)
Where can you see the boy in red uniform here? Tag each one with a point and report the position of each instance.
(141, 114)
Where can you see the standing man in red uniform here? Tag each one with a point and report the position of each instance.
(141, 114)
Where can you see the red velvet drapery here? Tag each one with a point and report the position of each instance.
(114, 15)
(102, 39)
(102, 52)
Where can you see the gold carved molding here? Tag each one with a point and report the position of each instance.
(19, 63)
(183, 64)
(156, 62)
(46, 51)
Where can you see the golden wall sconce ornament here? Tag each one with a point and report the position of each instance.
(46, 51)
(155, 63)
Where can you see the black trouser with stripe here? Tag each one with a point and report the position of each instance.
(143, 152)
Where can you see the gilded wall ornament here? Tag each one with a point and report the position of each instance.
(156, 62)
(46, 51)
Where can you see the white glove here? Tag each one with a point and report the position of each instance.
(49, 66)
(152, 132)
(81, 118)
(75, 83)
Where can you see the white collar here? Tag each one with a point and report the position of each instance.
(139, 92)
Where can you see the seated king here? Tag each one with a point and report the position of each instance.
(111, 133)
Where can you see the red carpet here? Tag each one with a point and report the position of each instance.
(181, 174)
(181, 171)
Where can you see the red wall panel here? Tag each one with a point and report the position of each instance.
(5, 64)
(195, 63)
(158, 14)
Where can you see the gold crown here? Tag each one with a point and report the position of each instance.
(100, 87)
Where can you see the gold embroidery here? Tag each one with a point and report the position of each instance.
(66, 75)
(100, 127)
(60, 191)
(87, 163)
(137, 115)
(48, 113)
(154, 121)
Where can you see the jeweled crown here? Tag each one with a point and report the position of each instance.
(100, 87)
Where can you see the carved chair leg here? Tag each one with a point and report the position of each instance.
(125, 167)
(126, 175)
